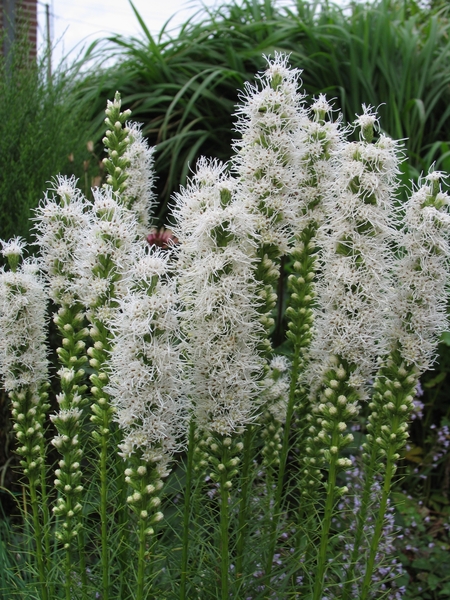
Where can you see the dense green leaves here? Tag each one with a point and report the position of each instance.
(41, 134)
(183, 86)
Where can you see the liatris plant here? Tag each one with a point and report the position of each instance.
(210, 378)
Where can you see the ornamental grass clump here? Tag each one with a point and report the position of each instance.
(211, 378)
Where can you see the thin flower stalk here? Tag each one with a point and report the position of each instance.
(60, 221)
(351, 295)
(418, 318)
(270, 174)
(187, 509)
(146, 389)
(24, 367)
(107, 253)
(220, 321)
(103, 257)
(316, 140)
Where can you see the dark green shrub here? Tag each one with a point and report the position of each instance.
(42, 133)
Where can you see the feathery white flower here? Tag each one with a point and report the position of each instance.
(419, 298)
(316, 141)
(145, 364)
(267, 161)
(61, 224)
(140, 180)
(219, 294)
(355, 257)
(23, 351)
(13, 247)
(105, 255)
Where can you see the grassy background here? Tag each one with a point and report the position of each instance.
(392, 55)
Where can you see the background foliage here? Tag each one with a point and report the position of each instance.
(390, 54)
(42, 133)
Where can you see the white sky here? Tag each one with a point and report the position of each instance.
(74, 23)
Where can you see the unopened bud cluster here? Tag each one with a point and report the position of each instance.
(23, 353)
(276, 396)
(116, 141)
(144, 498)
(224, 457)
(391, 406)
(328, 435)
(301, 294)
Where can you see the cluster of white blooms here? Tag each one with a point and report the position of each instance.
(61, 221)
(23, 304)
(219, 295)
(276, 387)
(317, 140)
(268, 162)
(105, 254)
(355, 257)
(145, 364)
(140, 176)
(418, 307)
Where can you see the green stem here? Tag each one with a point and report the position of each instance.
(46, 517)
(83, 574)
(326, 523)
(390, 469)
(141, 560)
(68, 578)
(187, 510)
(282, 466)
(38, 539)
(361, 521)
(122, 519)
(104, 516)
(243, 504)
(224, 520)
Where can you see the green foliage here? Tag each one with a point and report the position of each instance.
(424, 547)
(42, 133)
(182, 87)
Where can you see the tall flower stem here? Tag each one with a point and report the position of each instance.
(243, 517)
(143, 540)
(324, 539)
(361, 520)
(187, 509)
(337, 404)
(24, 369)
(104, 512)
(299, 314)
(278, 496)
(391, 406)
(224, 526)
(102, 419)
(43, 582)
(390, 470)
